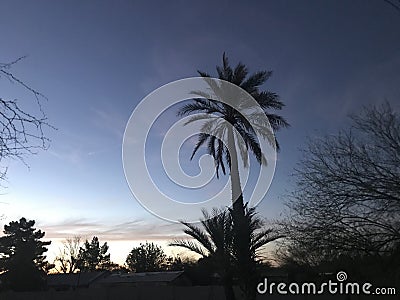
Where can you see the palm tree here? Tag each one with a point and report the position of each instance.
(215, 241)
(219, 120)
(250, 236)
(218, 115)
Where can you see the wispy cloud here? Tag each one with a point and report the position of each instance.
(110, 121)
(126, 231)
(73, 156)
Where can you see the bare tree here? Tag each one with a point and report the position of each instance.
(21, 132)
(67, 259)
(394, 3)
(347, 199)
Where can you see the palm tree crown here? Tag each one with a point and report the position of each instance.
(216, 237)
(217, 115)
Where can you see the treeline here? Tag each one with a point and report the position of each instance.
(88, 256)
(23, 264)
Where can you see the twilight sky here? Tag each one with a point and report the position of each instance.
(96, 60)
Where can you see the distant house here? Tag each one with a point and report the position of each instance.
(70, 281)
(144, 279)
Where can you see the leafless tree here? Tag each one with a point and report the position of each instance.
(347, 198)
(21, 132)
(394, 3)
(66, 261)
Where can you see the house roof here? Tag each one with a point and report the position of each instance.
(73, 279)
(141, 277)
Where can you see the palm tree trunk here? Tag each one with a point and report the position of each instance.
(240, 226)
(228, 290)
(237, 195)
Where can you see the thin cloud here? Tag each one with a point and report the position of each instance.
(111, 121)
(125, 231)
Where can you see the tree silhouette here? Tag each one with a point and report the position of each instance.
(213, 242)
(178, 263)
(220, 119)
(216, 240)
(67, 259)
(218, 115)
(21, 256)
(93, 257)
(21, 132)
(147, 257)
(394, 3)
(347, 200)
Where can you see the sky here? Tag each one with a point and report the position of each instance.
(96, 60)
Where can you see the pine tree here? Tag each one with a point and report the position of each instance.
(21, 256)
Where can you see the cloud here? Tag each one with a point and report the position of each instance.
(125, 231)
(73, 156)
(110, 121)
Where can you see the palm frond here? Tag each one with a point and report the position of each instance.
(196, 233)
(190, 108)
(239, 74)
(214, 85)
(218, 225)
(210, 126)
(254, 81)
(190, 245)
(264, 129)
(203, 74)
(211, 146)
(226, 72)
(262, 239)
(199, 117)
(219, 155)
(201, 140)
(207, 100)
(220, 160)
(202, 94)
(227, 157)
(215, 231)
(252, 143)
(244, 154)
(268, 100)
(276, 121)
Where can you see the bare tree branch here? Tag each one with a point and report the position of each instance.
(67, 259)
(348, 189)
(21, 132)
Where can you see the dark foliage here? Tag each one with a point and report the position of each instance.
(345, 211)
(94, 257)
(21, 256)
(215, 242)
(218, 114)
(147, 257)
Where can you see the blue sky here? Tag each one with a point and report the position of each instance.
(95, 60)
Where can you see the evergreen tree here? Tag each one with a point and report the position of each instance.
(21, 256)
(93, 257)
